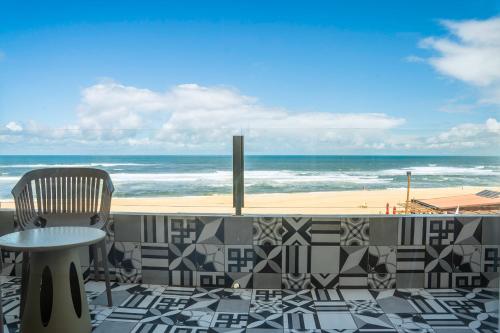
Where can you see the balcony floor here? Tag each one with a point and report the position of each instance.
(157, 309)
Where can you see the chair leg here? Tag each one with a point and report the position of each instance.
(97, 276)
(106, 272)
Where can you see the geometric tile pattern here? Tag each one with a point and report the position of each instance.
(267, 259)
(296, 231)
(267, 231)
(182, 230)
(382, 259)
(181, 310)
(467, 258)
(440, 231)
(380, 252)
(354, 231)
(468, 230)
(325, 231)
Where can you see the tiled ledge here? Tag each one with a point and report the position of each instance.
(434, 251)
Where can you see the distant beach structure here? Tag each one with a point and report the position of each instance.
(483, 202)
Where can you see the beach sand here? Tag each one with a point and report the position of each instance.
(339, 202)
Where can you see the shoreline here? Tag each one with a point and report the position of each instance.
(333, 202)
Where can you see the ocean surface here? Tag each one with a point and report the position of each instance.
(149, 176)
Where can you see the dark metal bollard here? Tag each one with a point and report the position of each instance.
(238, 174)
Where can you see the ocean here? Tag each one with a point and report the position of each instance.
(150, 176)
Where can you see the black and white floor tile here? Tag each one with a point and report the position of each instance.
(143, 308)
(210, 258)
(182, 230)
(267, 231)
(210, 230)
(355, 231)
(296, 231)
(267, 259)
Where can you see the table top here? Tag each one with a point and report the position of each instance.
(51, 238)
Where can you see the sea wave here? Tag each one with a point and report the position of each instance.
(251, 177)
(73, 165)
(480, 170)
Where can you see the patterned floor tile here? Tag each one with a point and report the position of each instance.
(443, 321)
(409, 323)
(202, 304)
(296, 231)
(354, 231)
(336, 320)
(179, 318)
(296, 281)
(230, 320)
(298, 306)
(210, 230)
(429, 306)
(382, 281)
(480, 322)
(325, 231)
(300, 321)
(325, 280)
(412, 231)
(211, 279)
(99, 313)
(373, 321)
(466, 258)
(267, 231)
(439, 259)
(468, 230)
(267, 259)
(233, 306)
(210, 258)
(382, 259)
(490, 258)
(331, 306)
(182, 257)
(239, 258)
(353, 259)
(267, 295)
(355, 295)
(182, 230)
(296, 259)
(265, 320)
(128, 266)
(364, 307)
(171, 303)
(274, 306)
(440, 231)
(326, 295)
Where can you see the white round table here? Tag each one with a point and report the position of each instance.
(55, 294)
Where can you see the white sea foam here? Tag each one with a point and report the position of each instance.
(251, 177)
(74, 165)
(438, 171)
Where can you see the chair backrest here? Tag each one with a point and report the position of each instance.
(62, 191)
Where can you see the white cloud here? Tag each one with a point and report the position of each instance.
(14, 127)
(470, 135)
(470, 54)
(190, 118)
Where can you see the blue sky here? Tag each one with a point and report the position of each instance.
(159, 77)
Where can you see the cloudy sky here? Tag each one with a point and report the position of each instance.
(302, 78)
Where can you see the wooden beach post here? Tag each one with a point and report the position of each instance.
(407, 206)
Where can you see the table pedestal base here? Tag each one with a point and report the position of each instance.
(55, 296)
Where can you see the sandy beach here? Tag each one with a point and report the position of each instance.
(339, 202)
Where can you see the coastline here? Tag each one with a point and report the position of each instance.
(334, 202)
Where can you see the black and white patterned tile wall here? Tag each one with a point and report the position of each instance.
(296, 252)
